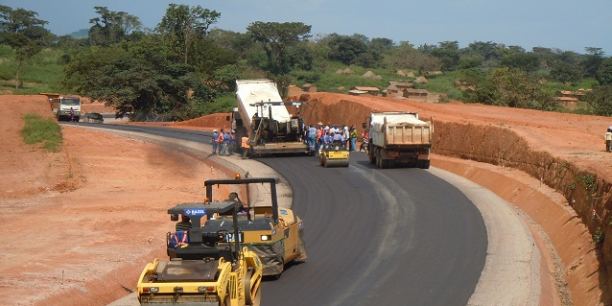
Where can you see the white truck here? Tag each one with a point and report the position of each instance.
(263, 117)
(399, 139)
(61, 108)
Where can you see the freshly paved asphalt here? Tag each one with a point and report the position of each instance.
(389, 237)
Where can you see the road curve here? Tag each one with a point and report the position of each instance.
(392, 237)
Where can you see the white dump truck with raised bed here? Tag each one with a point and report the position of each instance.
(399, 139)
(263, 117)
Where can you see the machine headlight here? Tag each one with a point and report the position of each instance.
(265, 237)
(150, 289)
(206, 289)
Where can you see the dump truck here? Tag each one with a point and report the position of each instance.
(263, 117)
(399, 139)
(61, 107)
(275, 233)
(206, 268)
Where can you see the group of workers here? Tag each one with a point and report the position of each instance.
(318, 137)
(223, 143)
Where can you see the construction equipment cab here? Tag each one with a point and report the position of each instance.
(205, 268)
(273, 232)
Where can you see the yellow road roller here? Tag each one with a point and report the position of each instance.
(335, 154)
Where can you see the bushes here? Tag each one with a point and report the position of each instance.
(45, 130)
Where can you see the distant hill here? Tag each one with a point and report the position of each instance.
(82, 33)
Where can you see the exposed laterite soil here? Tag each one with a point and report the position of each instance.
(78, 226)
(91, 215)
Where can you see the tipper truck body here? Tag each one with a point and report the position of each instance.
(399, 139)
(263, 117)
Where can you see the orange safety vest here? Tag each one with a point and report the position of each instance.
(245, 143)
(220, 138)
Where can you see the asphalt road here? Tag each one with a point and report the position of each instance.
(374, 237)
(379, 237)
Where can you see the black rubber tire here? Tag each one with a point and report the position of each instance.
(379, 161)
(425, 164)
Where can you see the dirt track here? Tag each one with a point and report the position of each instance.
(84, 207)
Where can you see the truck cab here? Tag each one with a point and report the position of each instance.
(63, 106)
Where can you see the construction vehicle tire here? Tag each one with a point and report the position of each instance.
(249, 298)
(257, 299)
(424, 164)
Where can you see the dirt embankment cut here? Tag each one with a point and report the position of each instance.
(80, 224)
(560, 151)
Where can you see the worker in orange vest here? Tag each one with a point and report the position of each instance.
(245, 146)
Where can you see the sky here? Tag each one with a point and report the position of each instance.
(568, 25)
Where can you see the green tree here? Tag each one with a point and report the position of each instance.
(524, 61)
(591, 61)
(406, 56)
(345, 49)
(111, 27)
(137, 78)
(182, 25)
(565, 72)
(477, 87)
(485, 49)
(448, 53)
(380, 44)
(277, 39)
(22, 31)
(604, 73)
(517, 88)
(600, 99)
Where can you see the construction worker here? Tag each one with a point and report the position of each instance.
(353, 137)
(312, 136)
(184, 225)
(325, 141)
(319, 134)
(214, 142)
(345, 134)
(338, 138)
(232, 143)
(608, 138)
(226, 143)
(245, 146)
(220, 141)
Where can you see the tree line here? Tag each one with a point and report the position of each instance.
(183, 67)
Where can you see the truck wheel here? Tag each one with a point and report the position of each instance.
(379, 160)
(372, 158)
(424, 164)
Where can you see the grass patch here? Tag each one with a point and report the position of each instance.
(38, 129)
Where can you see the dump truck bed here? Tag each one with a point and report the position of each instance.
(399, 129)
